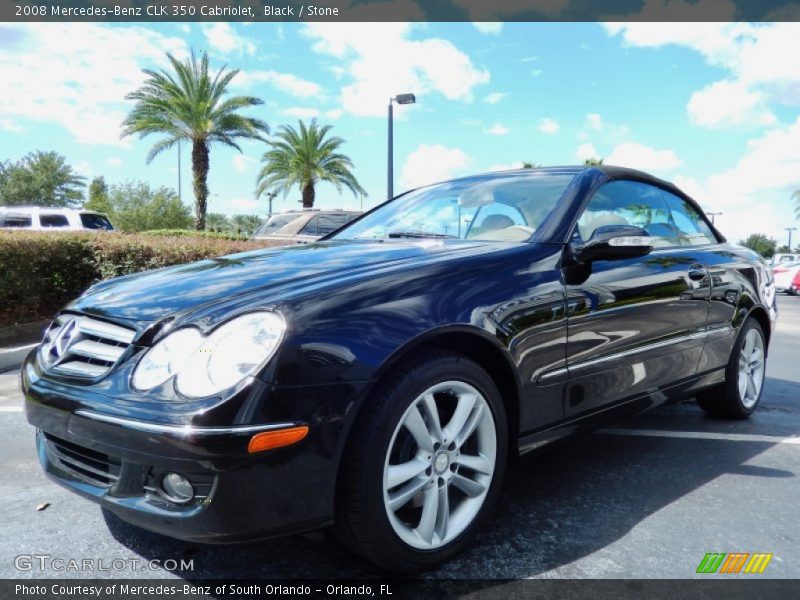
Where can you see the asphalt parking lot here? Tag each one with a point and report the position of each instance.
(646, 499)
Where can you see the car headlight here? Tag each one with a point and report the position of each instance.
(204, 366)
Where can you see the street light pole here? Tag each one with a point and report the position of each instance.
(712, 215)
(270, 198)
(400, 99)
(790, 230)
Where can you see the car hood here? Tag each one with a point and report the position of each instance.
(269, 274)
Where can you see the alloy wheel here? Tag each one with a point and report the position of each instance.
(439, 465)
(751, 368)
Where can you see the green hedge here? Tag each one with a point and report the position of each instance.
(42, 271)
(189, 232)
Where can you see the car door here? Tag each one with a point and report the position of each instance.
(730, 276)
(635, 325)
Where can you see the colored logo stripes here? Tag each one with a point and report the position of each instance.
(734, 562)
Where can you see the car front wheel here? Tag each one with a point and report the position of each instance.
(424, 465)
(740, 394)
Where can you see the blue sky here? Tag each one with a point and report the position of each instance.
(712, 107)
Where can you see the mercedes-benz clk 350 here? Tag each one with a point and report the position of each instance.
(381, 380)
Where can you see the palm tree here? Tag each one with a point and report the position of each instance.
(245, 224)
(304, 158)
(188, 104)
(217, 222)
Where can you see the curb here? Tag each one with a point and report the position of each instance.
(11, 358)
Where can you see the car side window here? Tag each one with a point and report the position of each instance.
(629, 203)
(53, 220)
(692, 226)
(311, 227)
(331, 222)
(17, 220)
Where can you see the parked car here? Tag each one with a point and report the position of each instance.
(381, 380)
(794, 288)
(39, 218)
(778, 259)
(303, 226)
(785, 274)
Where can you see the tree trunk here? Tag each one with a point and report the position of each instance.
(308, 195)
(199, 176)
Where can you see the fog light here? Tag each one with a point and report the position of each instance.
(176, 488)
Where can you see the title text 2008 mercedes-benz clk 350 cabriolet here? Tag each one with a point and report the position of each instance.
(381, 380)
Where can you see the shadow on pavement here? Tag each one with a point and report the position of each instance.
(557, 506)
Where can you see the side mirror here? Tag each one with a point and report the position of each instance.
(612, 242)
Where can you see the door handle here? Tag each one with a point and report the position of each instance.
(697, 272)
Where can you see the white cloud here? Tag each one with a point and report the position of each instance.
(594, 121)
(285, 82)
(548, 126)
(754, 195)
(497, 129)
(222, 38)
(84, 168)
(639, 156)
(432, 163)
(594, 125)
(726, 103)
(243, 163)
(755, 57)
(494, 97)
(383, 60)
(245, 205)
(10, 125)
(506, 167)
(114, 161)
(586, 151)
(489, 27)
(77, 74)
(536, 72)
(301, 112)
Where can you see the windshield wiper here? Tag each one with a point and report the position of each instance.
(419, 234)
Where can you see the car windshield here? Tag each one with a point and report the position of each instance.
(276, 222)
(505, 208)
(95, 221)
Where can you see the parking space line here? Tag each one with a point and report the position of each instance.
(10, 409)
(703, 435)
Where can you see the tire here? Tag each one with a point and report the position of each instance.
(394, 517)
(739, 395)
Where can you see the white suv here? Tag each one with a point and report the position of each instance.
(42, 218)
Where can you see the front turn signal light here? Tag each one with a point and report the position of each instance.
(267, 440)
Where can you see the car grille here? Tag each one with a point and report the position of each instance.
(80, 346)
(85, 464)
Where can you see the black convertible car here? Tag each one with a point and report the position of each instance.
(381, 380)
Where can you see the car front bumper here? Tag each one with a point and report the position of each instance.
(118, 463)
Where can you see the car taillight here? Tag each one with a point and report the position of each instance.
(796, 280)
